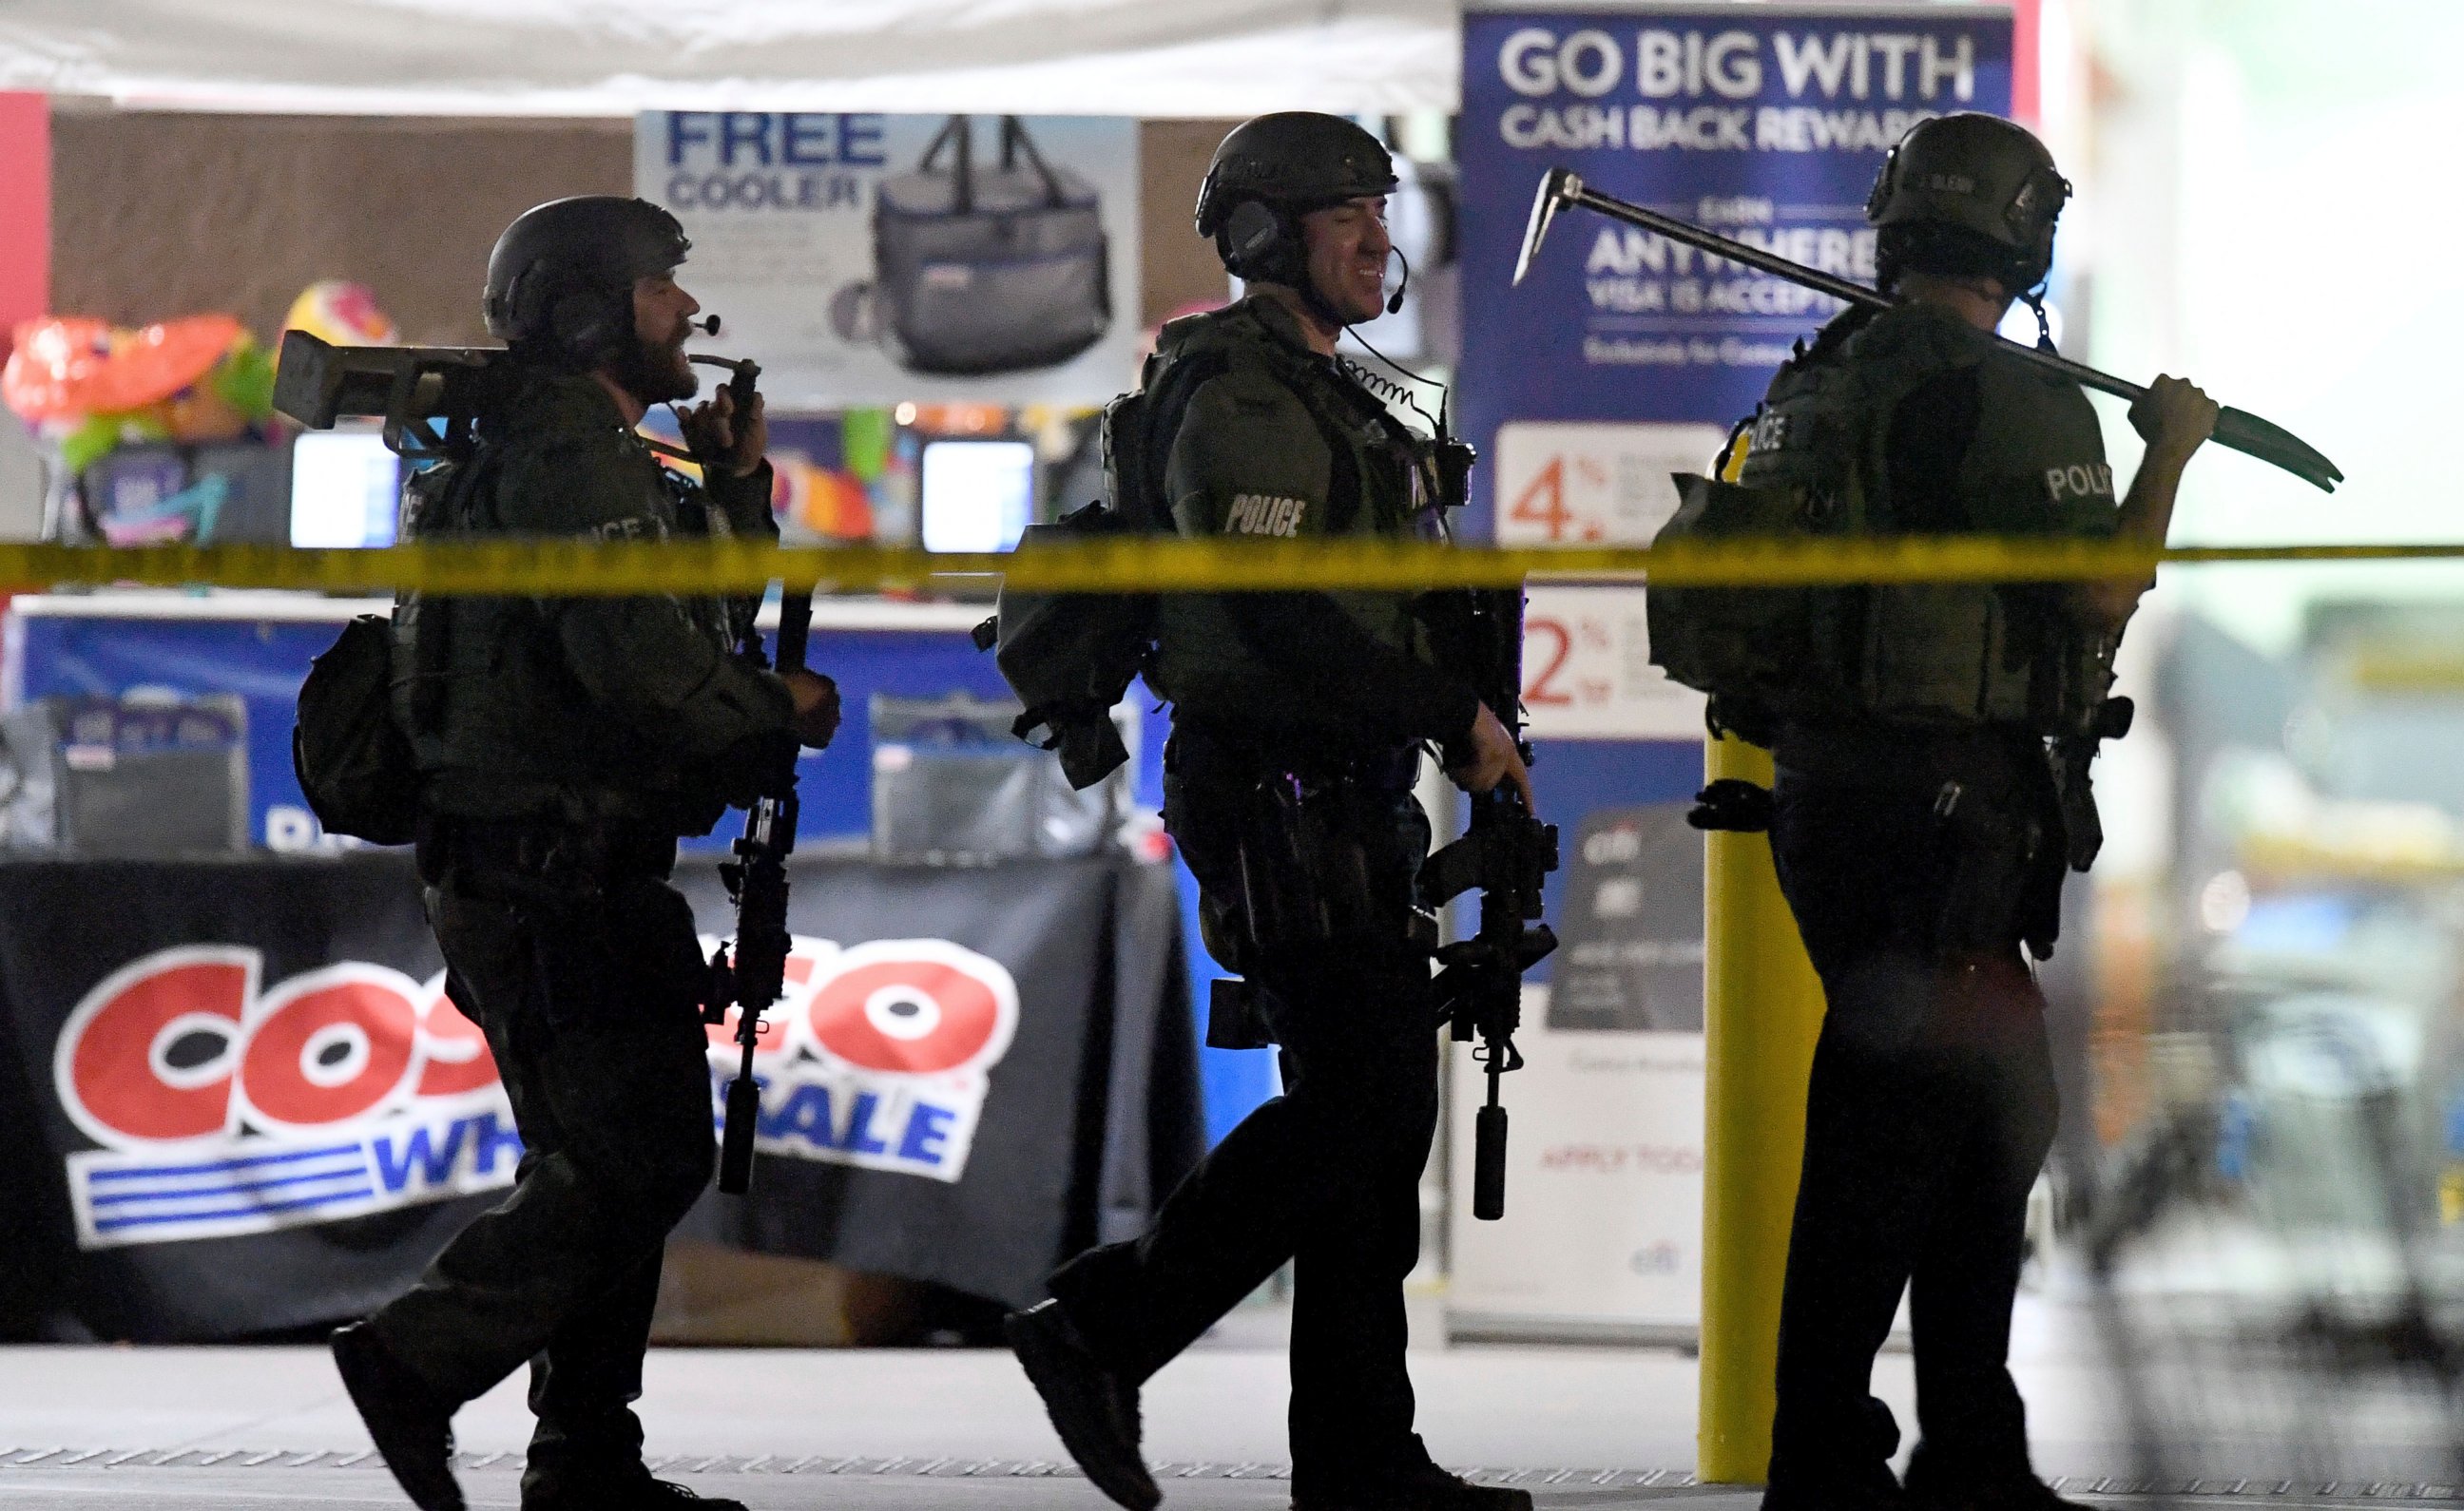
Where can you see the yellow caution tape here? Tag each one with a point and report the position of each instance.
(587, 568)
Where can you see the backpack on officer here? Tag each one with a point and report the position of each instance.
(1070, 657)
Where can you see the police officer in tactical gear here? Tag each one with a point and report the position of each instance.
(1930, 792)
(563, 745)
(1299, 719)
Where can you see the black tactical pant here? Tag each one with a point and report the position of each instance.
(580, 963)
(1326, 1174)
(1930, 1112)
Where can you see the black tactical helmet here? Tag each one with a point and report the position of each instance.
(1970, 193)
(1272, 170)
(560, 279)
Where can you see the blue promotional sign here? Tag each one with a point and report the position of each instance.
(1623, 357)
(263, 660)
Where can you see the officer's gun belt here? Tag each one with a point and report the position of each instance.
(541, 846)
(1202, 753)
(1992, 763)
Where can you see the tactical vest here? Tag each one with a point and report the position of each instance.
(498, 724)
(1384, 480)
(1817, 463)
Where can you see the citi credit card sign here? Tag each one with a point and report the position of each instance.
(1624, 356)
(222, 1104)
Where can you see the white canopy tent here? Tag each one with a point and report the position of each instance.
(611, 57)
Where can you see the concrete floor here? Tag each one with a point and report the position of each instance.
(960, 1429)
(900, 1416)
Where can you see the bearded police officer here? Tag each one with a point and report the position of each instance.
(1298, 724)
(1931, 750)
(563, 745)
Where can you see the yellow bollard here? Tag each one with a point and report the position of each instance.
(1762, 1009)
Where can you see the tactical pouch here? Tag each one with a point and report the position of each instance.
(1986, 855)
(1926, 651)
(353, 761)
(2074, 760)
(1305, 882)
(1323, 861)
(1751, 645)
(1071, 656)
(620, 952)
(1235, 1017)
(1731, 805)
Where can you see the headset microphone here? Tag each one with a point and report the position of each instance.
(1395, 303)
(708, 327)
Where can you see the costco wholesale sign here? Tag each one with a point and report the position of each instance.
(223, 1106)
(1622, 359)
(237, 1100)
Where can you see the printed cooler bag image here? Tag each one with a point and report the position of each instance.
(989, 269)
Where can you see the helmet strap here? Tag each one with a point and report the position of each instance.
(2034, 300)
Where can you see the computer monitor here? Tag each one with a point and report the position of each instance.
(345, 489)
(256, 499)
(140, 495)
(977, 495)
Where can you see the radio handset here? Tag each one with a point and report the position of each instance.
(745, 374)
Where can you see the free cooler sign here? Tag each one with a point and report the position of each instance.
(223, 1107)
(873, 259)
(1624, 356)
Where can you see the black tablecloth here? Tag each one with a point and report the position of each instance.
(238, 1102)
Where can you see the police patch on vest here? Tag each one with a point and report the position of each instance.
(632, 527)
(2079, 480)
(1265, 515)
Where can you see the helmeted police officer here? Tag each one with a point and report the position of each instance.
(1298, 723)
(563, 745)
(1920, 829)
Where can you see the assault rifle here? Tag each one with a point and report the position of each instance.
(755, 975)
(1508, 853)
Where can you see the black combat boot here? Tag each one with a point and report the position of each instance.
(1424, 1487)
(1937, 1483)
(410, 1424)
(1859, 1495)
(1847, 1473)
(1093, 1408)
(636, 1491)
(1866, 1486)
